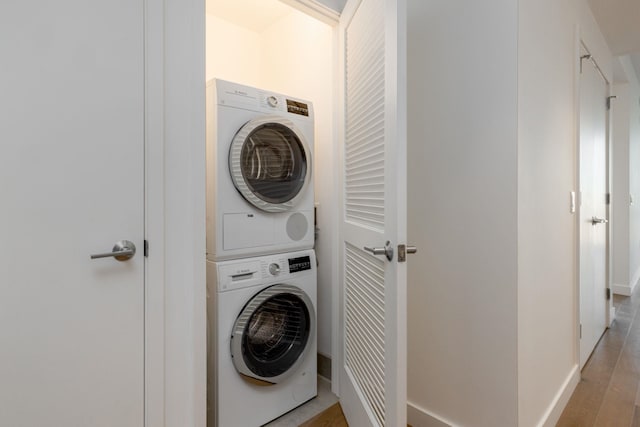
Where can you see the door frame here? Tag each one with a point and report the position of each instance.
(175, 279)
(175, 226)
(592, 49)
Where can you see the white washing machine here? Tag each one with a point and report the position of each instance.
(259, 172)
(261, 315)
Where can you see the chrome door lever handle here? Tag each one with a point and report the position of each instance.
(387, 250)
(595, 220)
(122, 251)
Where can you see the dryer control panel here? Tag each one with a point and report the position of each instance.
(246, 97)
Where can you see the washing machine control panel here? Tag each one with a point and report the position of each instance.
(246, 273)
(282, 267)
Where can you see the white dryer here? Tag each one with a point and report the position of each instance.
(262, 337)
(259, 172)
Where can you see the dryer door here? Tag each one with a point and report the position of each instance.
(273, 333)
(270, 163)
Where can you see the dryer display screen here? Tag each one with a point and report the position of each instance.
(299, 264)
(297, 107)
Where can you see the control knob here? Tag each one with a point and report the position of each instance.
(274, 269)
(272, 101)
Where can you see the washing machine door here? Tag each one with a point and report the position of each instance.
(273, 334)
(270, 163)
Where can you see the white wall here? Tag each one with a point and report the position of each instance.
(293, 56)
(625, 132)
(233, 52)
(620, 191)
(547, 153)
(546, 228)
(462, 212)
(547, 278)
(634, 174)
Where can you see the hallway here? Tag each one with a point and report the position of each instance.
(609, 392)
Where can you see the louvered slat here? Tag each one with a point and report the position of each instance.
(365, 120)
(364, 326)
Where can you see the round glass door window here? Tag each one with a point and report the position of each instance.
(270, 163)
(272, 334)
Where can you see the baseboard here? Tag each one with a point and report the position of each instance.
(612, 315)
(627, 290)
(635, 279)
(624, 290)
(420, 417)
(552, 415)
(324, 366)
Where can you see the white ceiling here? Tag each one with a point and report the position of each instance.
(254, 15)
(619, 21)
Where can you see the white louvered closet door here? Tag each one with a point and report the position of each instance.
(373, 312)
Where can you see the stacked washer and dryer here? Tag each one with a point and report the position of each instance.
(261, 267)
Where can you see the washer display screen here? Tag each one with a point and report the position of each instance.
(299, 264)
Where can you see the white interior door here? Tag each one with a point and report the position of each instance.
(373, 325)
(71, 185)
(593, 207)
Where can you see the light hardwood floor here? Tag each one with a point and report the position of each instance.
(331, 417)
(609, 391)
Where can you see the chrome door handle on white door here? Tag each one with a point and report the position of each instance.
(122, 251)
(595, 220)
(387, 250)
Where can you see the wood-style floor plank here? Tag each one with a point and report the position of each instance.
(618, 405)
(608, 392)
(636, 417)
(331, 417)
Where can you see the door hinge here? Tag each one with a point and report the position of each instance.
(572, 202)
(608, 294)
(607, 198)
(146, 248)
(609, 98)
(580, 330)
(582, 58)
